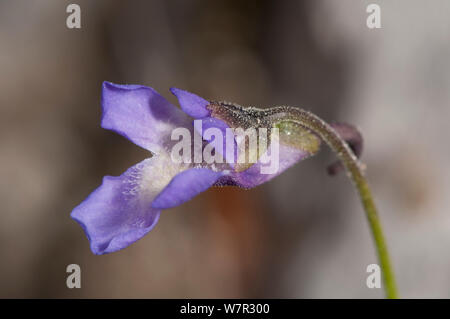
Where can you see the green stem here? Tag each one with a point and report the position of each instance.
(355, 171)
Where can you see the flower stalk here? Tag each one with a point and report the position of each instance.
(356, 174)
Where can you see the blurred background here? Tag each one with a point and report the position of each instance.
(303, 235)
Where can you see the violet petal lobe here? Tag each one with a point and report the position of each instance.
(212, 122)
(140, 114)
(185, 186)
(119, 212)
(191, 104)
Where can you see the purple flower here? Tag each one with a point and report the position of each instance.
(125, 208)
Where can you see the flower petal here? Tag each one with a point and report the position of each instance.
(253, 176)
(119, 212)
(353, 137)
(212, 122)
(191, 104)
(140, 114)
(185, 186)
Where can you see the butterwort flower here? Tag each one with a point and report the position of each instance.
(125, 208)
